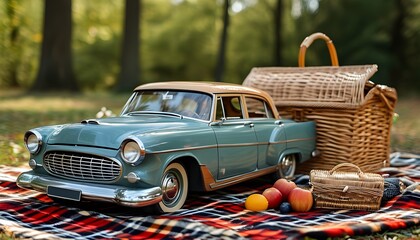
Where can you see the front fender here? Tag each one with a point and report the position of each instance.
(156, 163)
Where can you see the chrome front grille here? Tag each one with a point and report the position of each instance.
(82, 166)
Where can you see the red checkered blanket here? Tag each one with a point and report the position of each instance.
(219, 214)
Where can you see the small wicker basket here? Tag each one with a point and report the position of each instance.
(347, 190)
(353, 115)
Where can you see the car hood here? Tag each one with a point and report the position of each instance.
(110, 132)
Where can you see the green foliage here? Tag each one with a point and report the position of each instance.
(411, 72)
(362, 36)
(180, 38)
(250, 43)
(22, 53)
(97, 42)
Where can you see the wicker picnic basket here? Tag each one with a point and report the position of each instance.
(347, 190)
(353, 115)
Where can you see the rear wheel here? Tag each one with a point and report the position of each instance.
(286, 167)
(174, 186)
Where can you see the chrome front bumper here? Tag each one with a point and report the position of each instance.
(123, 196)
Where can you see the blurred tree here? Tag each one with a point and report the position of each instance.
(179, 40)
(19, 42)
(221, 57)
(398, 42)
(409, 82)
(276, 10)
(361, 38)
(400, 45)
(56, 68)
(130, 63)
(97, 42)
(251, 38)
(278, 28)
(14, 23)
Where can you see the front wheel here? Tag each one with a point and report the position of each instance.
(174, 186)
(286, 167)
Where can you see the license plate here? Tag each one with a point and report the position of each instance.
(64, 193)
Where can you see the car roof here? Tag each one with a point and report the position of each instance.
(207, 87)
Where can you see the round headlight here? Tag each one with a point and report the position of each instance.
(33, 141)
(132, 151)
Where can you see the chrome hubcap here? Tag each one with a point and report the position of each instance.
(170, 188)
(286, 165)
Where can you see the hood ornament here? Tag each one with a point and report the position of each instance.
(90, 121)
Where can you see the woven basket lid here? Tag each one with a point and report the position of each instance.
(333, 86)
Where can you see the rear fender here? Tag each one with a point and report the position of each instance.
(291, 151)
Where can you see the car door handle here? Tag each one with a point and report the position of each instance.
(250, 124)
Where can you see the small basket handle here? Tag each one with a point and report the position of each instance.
(359, 171)
(308, 41)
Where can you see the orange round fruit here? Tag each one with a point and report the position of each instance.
(256, 202)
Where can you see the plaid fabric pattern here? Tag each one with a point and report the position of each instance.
(220, 214)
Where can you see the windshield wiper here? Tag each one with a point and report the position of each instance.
(156, 112)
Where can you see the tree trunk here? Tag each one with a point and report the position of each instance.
(278, 16)
(14, 21)
(56, 67)
(130, 58)
(220, 65)
(398, 44)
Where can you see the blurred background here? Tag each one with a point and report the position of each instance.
(64, 60)
(181, 39)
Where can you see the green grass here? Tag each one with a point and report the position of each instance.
(405, 132)
(20, 112)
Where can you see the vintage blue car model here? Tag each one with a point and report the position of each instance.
(170, 138)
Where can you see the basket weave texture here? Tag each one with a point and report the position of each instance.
(347, 190)
(353, 115)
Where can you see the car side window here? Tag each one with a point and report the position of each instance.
(229, 108)
(258, 108)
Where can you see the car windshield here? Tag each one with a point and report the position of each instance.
(188, 104)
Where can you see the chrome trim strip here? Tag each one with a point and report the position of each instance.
(245, 177)
(211, 184)
(238, 145)
(226, 145)
(182, 149)
(228, 123)
(165, 114)
(172, 114)
(203, 147)
(82, 145)
(292, 140)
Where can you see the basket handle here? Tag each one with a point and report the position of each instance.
(359, 171)
(308, 41)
